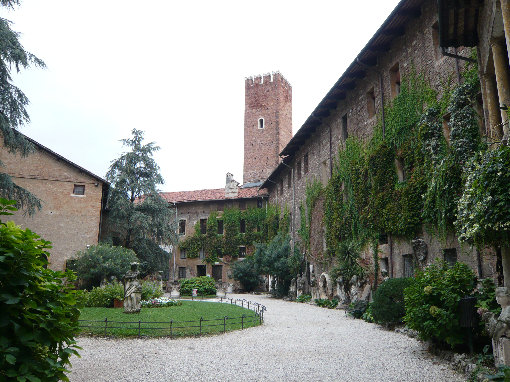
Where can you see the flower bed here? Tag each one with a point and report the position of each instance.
(160, 302)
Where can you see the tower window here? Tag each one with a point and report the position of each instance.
(261, 123)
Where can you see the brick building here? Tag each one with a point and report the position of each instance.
(72, 200)
(408, 40)
(267, 129)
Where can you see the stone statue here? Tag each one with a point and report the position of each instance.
(176, 290)
(499, 328)
(132, 290)
(300, 285)
(420, 249)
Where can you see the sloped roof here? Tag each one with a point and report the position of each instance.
(210, 195)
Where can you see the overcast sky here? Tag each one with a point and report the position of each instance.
(176, 69)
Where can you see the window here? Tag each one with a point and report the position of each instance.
(261, 123)
(450, 256)
(220, 206)
(344, 131)
(259, 203)
(395, 80)
(217, 272)
(201, 270)
(289, 180)
(383, 239)
(242, 204)
(408, 265)
(182, 272)
(305, 163)
(201, 254)
(183, 253)
(385, 266)
(242, 227)
(220, 227)
(203, 226)
(281, 186)
(401, 170)
(182, 227)
(79, 189)
(371, 103)
(298, 169)
(242, 252)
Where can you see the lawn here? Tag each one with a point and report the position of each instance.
(174, 321)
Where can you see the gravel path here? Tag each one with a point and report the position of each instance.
(298, 342)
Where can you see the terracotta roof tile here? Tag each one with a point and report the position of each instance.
(210, 194)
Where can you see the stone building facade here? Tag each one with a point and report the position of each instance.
(408, 40)
(267, 129)
(72, 200)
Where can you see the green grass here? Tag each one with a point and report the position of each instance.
(175, 321)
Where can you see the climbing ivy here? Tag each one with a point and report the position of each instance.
(261, 226)
(313, 192)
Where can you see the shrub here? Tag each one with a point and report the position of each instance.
(151, 289)
(38, 311)
(246, 273)
(100, 262)
(432, 302)
(160, 303)
(304, 298)
(325, 303)
(357, 308)
(204, 284)
(388, 305)
(102, 297)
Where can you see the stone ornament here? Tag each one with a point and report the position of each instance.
(132, 290)
(420, 249)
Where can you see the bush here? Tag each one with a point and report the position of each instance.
(388, 306)
(100, 262)
(432, 302)
(325, 303)
(102, 297)
(357, 309)
(151, 289)
(304, 298)
(246, 273)
(204, 284)
(38, 311)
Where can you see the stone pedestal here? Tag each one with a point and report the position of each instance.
(175, 293)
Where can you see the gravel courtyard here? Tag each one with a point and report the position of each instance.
(297, 342)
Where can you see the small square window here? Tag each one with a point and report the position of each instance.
(220, 227)
(261, 123)
(182, 227)
(79, 189)
(242, 252)
(450, 256)
(259, 203)
(183, 253)
(395, 80)
(345, 133)
(371, 103)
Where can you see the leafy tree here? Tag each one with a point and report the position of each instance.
(246, 273)
(38, 312)
(12, 108)
(102, 261)
(140, 218)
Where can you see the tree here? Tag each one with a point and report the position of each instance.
(140, 218)
(246, 273)
(12, 108)
(38, 312)
(102, 261)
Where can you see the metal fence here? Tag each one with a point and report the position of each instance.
(179, 328)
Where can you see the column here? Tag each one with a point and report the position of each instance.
(505, 12)
(491, 99)
(502, 79)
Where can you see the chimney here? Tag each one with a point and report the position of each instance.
(231, 187)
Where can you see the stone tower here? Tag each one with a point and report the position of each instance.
(267, 124)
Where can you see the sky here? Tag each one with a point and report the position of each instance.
(176, 70)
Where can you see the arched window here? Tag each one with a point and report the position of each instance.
(261, 123)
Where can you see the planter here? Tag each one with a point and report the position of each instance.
(118, 303)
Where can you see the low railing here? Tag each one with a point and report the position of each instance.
(179, 328)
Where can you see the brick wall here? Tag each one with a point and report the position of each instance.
(70, 222)
(268, 97)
